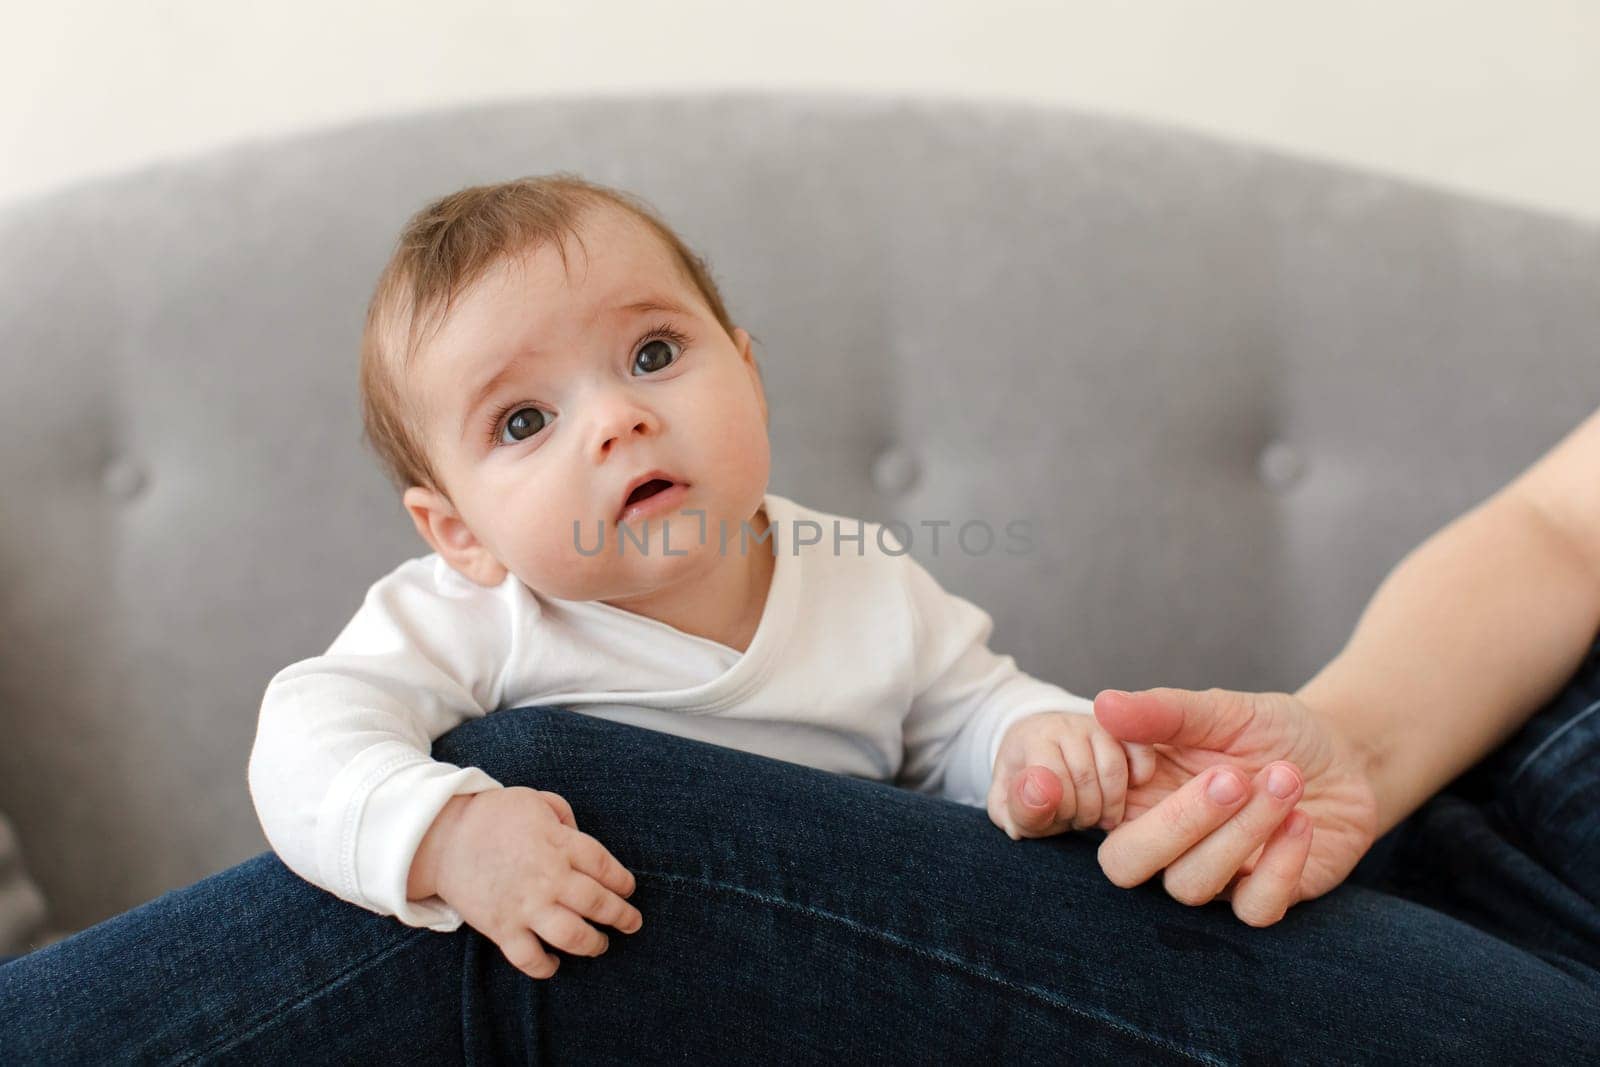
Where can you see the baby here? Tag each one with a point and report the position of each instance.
(579, 432)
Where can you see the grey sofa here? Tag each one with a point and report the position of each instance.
(1229, 390)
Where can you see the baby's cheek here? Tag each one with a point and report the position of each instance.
(738, 453)
(560, 561)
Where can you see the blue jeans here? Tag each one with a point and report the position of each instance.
(799, 916)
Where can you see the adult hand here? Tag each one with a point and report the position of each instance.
(1250, 850)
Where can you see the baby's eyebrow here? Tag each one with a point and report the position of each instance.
(647, 305)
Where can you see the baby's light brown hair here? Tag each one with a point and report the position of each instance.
(442, 250)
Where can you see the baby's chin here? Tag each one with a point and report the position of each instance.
(634, 573)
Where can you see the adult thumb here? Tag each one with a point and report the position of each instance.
(1173, 716)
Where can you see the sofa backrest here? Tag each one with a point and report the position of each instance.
(1227, 389)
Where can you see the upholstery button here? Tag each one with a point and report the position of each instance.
(895, 471)
(124, 479)
(1280, 466)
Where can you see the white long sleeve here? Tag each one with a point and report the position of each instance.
(966, 695)
(340, 772)
(860, 665)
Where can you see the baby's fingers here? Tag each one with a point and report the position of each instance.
(1141, 762)
(594, 859)
(594, 901)
(563, 928)
(1029, 801)
(1111, 764)
(1027, 793)
(1083, 771)
(1272, 887)
(559, 804)
(524, 952)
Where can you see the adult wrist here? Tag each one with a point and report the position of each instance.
(1365, 735)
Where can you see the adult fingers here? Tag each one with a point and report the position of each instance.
(1200, 719)
(1266, 893)
(1140, 847)
(592, 900)
(1111, 764)
(524, 952)
(1204, 870)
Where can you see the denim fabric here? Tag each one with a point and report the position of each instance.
(793, 915)
(1512, 846)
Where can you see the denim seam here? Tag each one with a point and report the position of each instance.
(1529, 852)
(1547, 742)
(265, 1018)
(955, 962)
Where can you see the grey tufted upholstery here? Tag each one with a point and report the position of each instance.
(1230, 390)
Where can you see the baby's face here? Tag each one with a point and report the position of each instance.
(546, 396)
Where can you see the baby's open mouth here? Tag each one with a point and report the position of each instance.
(648, 489)
(654, 484)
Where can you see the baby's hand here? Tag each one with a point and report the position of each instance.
(514, 864)
(1059, 770)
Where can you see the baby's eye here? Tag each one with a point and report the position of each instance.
(656, 354)
(523, 424)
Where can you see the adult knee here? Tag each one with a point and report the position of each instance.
(510, 743)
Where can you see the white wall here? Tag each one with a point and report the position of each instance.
(1496, 98)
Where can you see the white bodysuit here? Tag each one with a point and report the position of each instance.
(861, 664)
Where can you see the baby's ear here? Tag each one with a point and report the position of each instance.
(448, 534)
(741, 341)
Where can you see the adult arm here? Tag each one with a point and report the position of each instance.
(1473, 631)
